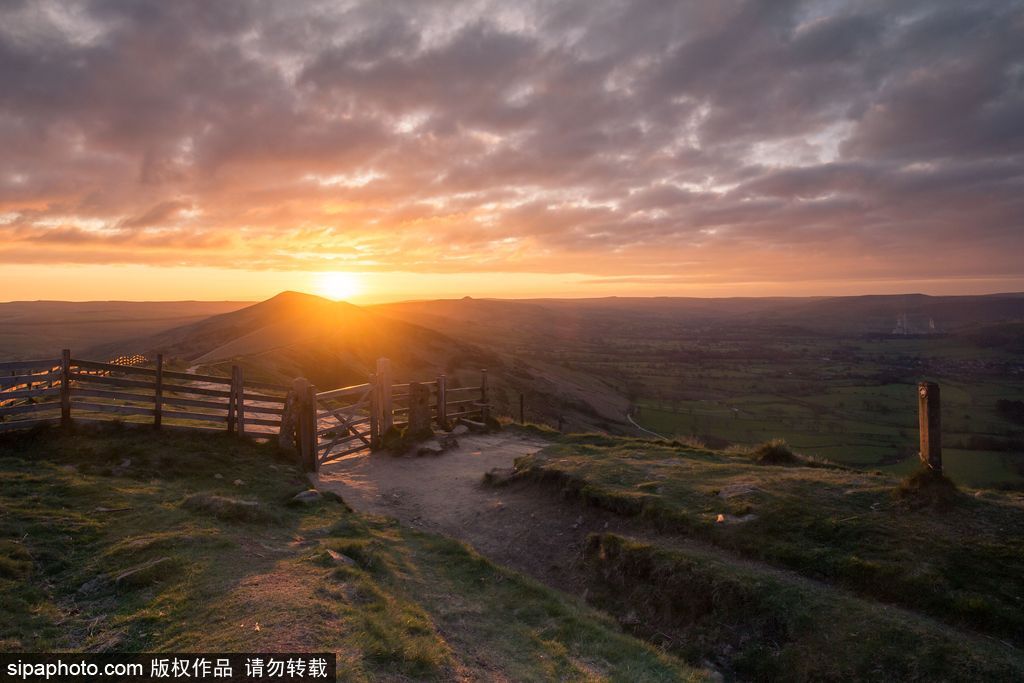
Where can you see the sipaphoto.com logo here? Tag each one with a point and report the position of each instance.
(68, 669)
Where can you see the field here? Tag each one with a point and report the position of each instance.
(853, 402)
(126, 540)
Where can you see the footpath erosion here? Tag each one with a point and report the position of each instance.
(528, 530)
(795, 571)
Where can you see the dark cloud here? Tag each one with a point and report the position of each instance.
(614, 138)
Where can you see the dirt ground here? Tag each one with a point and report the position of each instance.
(529, 530)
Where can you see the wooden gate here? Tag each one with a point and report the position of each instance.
(344, 422)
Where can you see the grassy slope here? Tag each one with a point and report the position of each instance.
(964, 566)
(79, 510)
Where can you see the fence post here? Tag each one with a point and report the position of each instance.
(238, 398)
(384, 383)
(65, 388)
(521, 420)
(158, 396)
(442, 402)
(311, 459)
(231, 404)
(485, 408)
(419, 410)
(374, 414)
(930, 425)
(288, 434)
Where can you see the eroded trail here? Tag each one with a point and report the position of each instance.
(533, 531)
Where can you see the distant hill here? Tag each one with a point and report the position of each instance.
(580, 320)
(332, 343)
(37, 329)
(569, 358)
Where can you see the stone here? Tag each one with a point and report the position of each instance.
(238, 482)
(460, 429)
(92, 585)
(447, 442)
(339, 558)
(307, 497)
(218, 476)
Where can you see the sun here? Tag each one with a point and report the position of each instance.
(338, 285)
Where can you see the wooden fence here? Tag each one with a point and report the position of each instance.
(67, 389)
(322, 426)
(333, 424)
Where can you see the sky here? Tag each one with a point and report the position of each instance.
(394, 150)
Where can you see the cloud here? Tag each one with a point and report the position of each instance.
(619, 139)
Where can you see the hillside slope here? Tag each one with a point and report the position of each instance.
(188, 543)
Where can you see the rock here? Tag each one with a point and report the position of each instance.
(460, 429)
(238, 482)
(424, 450)
(92, 585)
(500, 476)
(274, 467)
(338, 558)
(218, 476)
(448, 442)
(307, 497)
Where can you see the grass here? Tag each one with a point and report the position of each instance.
(962, 563)
(127, 540)
(755, 623)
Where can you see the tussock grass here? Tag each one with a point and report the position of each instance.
(926, 488)
(775, 452)
(231, 509)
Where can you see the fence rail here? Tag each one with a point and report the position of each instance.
(324, 426)
(68, 389)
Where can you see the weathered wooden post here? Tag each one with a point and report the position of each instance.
(419, 410)
(231, 404)
(442, 402)
(238, 391)
(310, 459)
(65, 388)
(158, 395)
(384, 395)
(374, 414)
(930, 425)
(485, 407)
(288, 434)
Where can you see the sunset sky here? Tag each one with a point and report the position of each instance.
(230, 150)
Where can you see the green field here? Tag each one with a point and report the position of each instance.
(855, 404)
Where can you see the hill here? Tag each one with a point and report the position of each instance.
(580, 320)
(39, 329)
(334, 344)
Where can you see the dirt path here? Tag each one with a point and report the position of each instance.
(532, 531)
